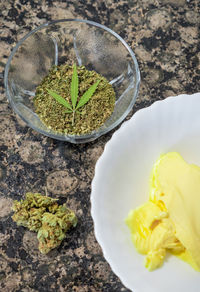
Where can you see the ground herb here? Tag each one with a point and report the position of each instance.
(74, 106)
(90, 116)
(43, 215)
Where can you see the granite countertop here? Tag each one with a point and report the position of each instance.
(165, 38)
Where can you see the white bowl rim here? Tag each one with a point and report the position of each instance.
(99, 164)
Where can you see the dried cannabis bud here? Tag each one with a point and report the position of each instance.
(42, 214)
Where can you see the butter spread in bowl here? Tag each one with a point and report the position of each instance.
(170, 220)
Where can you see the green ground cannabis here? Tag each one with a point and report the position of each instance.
(43, 215)
(89, 117)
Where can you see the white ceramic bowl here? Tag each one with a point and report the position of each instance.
(121, 183)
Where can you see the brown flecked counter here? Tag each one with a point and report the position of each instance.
(164, 34)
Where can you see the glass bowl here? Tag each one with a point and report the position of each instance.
(71, 40)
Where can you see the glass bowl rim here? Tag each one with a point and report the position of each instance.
(75, 138)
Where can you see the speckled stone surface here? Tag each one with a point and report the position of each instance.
(164, 35)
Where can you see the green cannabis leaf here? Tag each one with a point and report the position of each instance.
(87, 95)
(74, 95)
(74, 87)
(60, 99)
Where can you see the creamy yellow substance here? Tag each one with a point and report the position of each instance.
(170, 220)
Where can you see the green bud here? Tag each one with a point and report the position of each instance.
(43, 215)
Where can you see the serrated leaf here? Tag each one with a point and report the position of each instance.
(87, 95)
(74, 87)
(68, 111)
(59, 99)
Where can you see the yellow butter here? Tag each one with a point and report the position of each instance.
(169, 221)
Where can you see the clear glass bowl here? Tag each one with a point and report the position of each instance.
(71, 40)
